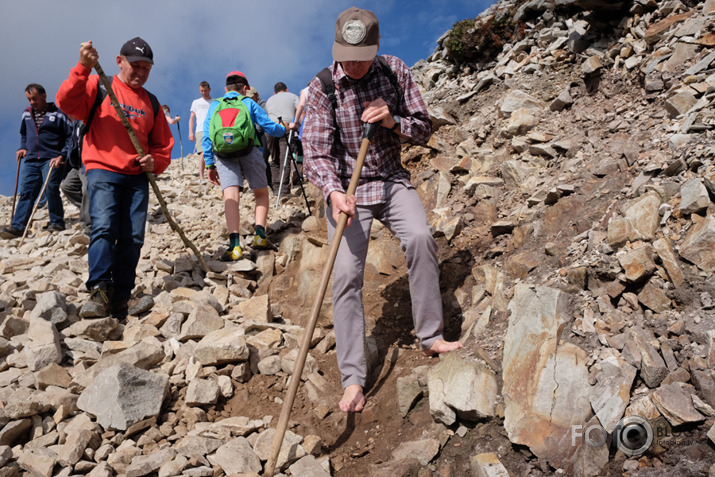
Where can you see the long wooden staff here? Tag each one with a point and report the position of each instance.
(32, 214)
(308, 334)
(14, 194)
(140, 151)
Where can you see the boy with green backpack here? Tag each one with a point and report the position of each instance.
(232, 153)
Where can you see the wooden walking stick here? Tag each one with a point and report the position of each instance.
(308, 334)
(14, 194)
(39, 198)
(140, 151)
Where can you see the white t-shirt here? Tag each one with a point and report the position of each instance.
(200, 107)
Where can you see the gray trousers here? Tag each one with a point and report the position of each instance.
(278, 147)
(74, 187)
(403, 215)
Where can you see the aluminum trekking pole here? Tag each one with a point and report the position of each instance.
(283, 169)
(300, 181)
(181, 144)
(149, 175)
(14, 194)
(32, 214)
(369, 128)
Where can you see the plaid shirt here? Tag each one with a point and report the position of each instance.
(329, 163)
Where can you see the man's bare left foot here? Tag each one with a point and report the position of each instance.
(441, 346)
(353, 399)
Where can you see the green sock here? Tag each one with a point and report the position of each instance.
(234, 240)
(261, 231)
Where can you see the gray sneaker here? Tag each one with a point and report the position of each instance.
(97, 306)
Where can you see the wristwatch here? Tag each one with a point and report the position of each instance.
(397, 122)
(211, 166)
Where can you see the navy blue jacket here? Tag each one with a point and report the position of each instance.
(54, 137)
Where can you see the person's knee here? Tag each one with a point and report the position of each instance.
(420, 239)
(347, 282)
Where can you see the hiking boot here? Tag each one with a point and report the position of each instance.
(118, 308)
(97, 306)
(10, 232)
(232, 254)
(261, 243)
(55, 228)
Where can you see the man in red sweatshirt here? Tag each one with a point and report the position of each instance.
(116, 176)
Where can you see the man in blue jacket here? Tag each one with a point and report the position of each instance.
(45, 144)
(229, 172)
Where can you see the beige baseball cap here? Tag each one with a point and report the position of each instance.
(357, 34)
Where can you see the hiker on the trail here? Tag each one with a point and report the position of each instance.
(74, 186)
(232, 154)
(167, 114)
(117, 179)
(331, 142)
(298, 141)
(45, 144)
(281, 106)
(300, 110)
(199, 108)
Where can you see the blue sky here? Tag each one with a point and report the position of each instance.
(270, 41)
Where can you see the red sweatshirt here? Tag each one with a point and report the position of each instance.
(107, 144)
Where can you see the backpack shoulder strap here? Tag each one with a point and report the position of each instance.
(101, 94)
(387, 71)
(326, 80)
(154, 102)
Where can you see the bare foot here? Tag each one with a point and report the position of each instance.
(353, 399)
(441, 346)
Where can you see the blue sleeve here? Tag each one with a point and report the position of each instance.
(260, 117)
(206, 143)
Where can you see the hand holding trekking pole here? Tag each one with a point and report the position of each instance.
(56, 162)
(369, 129)
(343, 204)
(88, 55)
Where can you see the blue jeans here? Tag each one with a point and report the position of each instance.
(33, 173)
(118, 208)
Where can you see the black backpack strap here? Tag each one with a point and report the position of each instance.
(154, 103)
(101, 94)
(326, 80)
(387, 71)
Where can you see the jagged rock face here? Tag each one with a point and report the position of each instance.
(569, 185)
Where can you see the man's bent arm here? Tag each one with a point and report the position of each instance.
(76, 94)
(192, 120)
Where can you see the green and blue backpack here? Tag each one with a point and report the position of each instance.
(231, 129)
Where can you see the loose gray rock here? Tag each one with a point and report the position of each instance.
(123, 395)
